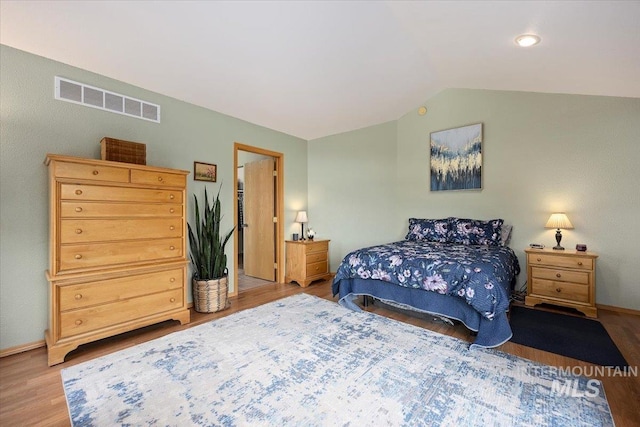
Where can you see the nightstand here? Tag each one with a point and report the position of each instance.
(307, 260)
(566, 278)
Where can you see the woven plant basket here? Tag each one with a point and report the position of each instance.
(210, 296)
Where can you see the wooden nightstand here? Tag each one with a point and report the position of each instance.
(566, 278)
(307, 260)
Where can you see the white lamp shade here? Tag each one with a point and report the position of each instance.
(559, 220)
(302, 217)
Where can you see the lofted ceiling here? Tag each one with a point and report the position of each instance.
(316, 68)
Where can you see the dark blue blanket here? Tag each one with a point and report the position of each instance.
(481, 275)
(471, 284)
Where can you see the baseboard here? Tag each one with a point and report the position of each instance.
(619, 309)
(21, 348)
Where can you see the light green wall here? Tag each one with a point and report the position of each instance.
(541, 153)
(33, 124)
(352, 188)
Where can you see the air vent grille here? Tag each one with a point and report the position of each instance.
(80, 93)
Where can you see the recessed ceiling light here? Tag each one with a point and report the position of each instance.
(527, 40)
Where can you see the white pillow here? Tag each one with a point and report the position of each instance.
(505, 235)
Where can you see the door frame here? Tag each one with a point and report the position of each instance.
(279, 200)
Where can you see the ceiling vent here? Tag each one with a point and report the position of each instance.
(79, 93)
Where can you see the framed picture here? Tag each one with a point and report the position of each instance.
(456, 158)
(205, 172)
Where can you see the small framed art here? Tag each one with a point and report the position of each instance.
(456, 158)
(205, 172)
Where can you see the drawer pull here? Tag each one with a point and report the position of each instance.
(78, 256)
(579, 262)
(539, 259)
(96, 172)
(78, 231)
(172, 247)
(78, 209)
(173, 279)
(78, 322)
(172, 210)
(172, 300)
(78, 296)
(558, 275)
(172, 228)
(78, 192)
(171, 196)
(160, 178)
(558, 290)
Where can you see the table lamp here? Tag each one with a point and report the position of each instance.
(559, 220)
(302, 218)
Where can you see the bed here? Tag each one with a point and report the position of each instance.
(458, 268)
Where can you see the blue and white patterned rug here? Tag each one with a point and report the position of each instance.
(306, 361)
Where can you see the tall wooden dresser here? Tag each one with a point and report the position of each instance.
(117, 250)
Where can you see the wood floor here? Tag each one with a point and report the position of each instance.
(31, 392)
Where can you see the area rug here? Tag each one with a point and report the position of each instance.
(571, 336)
(306, 361)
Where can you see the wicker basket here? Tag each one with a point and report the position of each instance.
(210, 296)
(118, 150)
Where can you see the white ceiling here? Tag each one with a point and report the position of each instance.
(312, 69)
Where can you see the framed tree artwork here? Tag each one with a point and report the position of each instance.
(456, 158)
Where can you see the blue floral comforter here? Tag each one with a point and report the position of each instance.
(482, 275)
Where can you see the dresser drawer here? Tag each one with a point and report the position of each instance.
(83, 256)
(561, 261)
(73, 297)
(560, 275)
(93, 230)
(158, 178)
(91, 172)
(104, 210)
(316, 268)
(118, 194)
(111, 314)
(316, 257)
(316, 247)
(561, 290)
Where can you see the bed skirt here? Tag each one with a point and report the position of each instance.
(491, 333)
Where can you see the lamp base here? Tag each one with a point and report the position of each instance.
(557, 247)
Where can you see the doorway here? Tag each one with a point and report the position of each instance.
(258, 213)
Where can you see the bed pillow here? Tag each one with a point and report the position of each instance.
(505, 234)
(475, 232)
(431, 230)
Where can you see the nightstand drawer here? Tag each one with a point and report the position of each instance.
(316, 257)
(562, 290)
(560, 275)
(316, 247)
(560, 261)
(317, 268)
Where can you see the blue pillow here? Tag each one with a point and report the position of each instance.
(431, 230)
(475, 232)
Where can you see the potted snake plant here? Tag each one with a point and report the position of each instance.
(210, 275)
